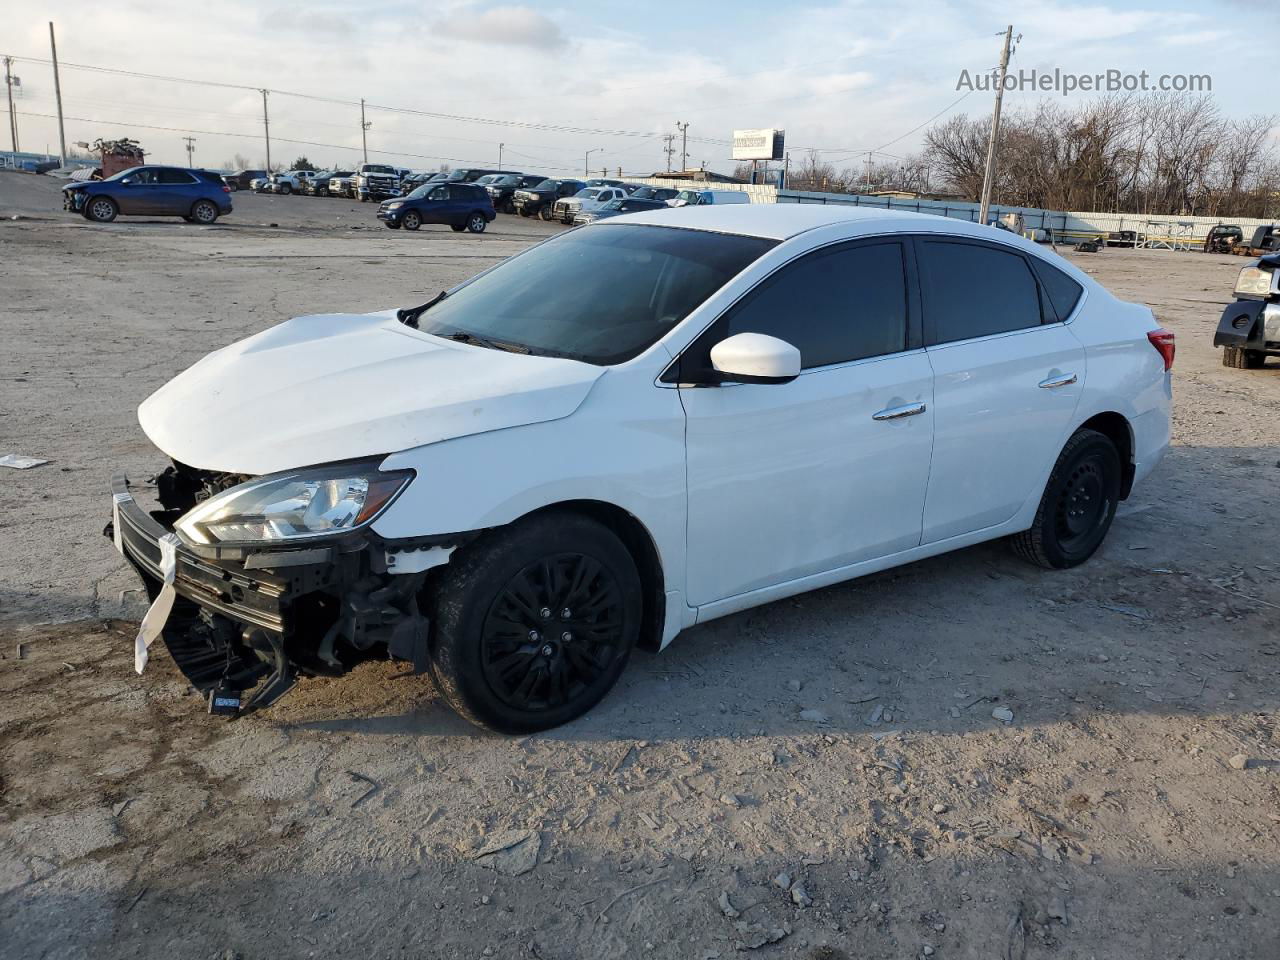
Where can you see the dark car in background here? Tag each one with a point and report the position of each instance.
(538, 200)
(472, 174)
(502, 189)
(318, 186)
(645, 192)
(240, 179)
(463, 206)
(615, 208)
(197, 196)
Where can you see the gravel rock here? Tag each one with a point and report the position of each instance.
(800, 897)
(1003, 714)
(1239, 762)
(814, 716)
(782, 881)
(795, 686)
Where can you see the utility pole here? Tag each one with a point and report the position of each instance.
(9, 81)
(669, 149)
(684, 144)
(266, 127)
(364, 127)
(500, 146)
(586, 160)
(191, 149)
(989, 173)
(868, 171)
(57, 95)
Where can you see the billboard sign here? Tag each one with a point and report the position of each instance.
(758, 144)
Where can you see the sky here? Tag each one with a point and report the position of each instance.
(844, 77)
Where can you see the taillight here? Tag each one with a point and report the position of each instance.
(1162, 340)
(225, 188)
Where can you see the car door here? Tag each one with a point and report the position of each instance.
(134, 194)
(436, 208)
(789, 480)
(1008, 375)
(173, 193)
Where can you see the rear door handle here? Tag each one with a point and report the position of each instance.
(1063, 381)
(897, 413)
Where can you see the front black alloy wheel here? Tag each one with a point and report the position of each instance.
(535, 623)
(1078, 505)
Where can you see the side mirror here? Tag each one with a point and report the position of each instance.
(126, 181)
(756, 358)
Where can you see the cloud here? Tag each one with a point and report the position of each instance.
(508, 26)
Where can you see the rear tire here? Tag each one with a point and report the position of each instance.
(101, 209)
(1078, 505)
(1241, 359)
(534, 623)
(286, 189)
(204, 212)
(476, 223)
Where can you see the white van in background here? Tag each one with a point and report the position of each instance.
(699, 198)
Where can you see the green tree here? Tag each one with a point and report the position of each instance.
(302, 163)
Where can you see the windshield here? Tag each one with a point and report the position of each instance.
(419, 192)
(377, 168)
(487, 179)
(547, 185)
(121, 175)
(602, 295)
(613, 205)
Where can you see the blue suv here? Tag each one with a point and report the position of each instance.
(197, 196)
(463, 206)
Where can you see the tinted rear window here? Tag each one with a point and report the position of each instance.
(973, 290)
(1064, 293)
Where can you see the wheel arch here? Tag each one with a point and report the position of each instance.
(1116, 428)
(637, 540)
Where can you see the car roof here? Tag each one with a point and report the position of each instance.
(781, 221)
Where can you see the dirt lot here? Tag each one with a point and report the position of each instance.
(844, 738)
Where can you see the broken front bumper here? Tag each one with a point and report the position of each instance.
(240, 615)
(1249, 325)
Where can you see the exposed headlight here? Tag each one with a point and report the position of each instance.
(395, 206)
(1254, 281)
(287, 507)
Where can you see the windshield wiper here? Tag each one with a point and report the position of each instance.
(461, 336)
(409, 315)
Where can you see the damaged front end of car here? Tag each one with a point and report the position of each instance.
(275, 576)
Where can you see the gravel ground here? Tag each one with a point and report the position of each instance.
(820, 778)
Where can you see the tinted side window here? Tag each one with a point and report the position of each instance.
(169, 175)
(834, 306)
(975, 291)
(1063, 292)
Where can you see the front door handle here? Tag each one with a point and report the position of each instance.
(1063, 381)
(897, 413)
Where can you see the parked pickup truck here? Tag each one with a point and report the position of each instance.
(538, 201)
(586, 201)
(291, 181)
(376, 181)
(1249, 329)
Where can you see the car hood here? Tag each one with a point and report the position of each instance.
(333, 387)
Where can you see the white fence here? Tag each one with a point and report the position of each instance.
(1189, 230)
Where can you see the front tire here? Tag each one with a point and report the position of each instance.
(411, 220)
(457, 227)
(545, 214)
(101, 209)
(1240, 359)
(534, 623)
(1078, 505)
(286, 189)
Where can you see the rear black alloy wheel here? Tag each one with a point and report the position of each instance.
(1078, 505)
(535, 623)
(476, 223)
(411, 220)
(545, 213)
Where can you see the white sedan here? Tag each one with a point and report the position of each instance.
(629, 429)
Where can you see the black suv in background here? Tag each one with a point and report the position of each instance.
(503, 189)
(463, 206)
(240, 179)
(318, 186)
(654, 193)
(472, 174)
(538, 200)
